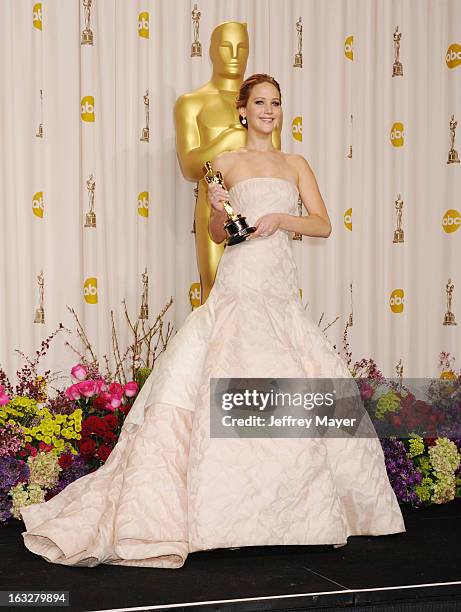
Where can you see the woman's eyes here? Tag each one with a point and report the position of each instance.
(274, 102)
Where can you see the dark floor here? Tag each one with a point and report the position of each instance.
(429, 552)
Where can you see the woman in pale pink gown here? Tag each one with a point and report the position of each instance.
(169, 488)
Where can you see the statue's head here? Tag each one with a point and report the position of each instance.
(229, 49)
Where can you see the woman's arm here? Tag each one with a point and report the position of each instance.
(318, 222)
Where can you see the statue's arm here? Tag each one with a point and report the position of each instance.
(191, 154)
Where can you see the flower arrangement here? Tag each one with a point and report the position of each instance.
(48, 440)
(421, 439)
(38, 442)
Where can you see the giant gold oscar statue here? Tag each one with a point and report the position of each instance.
(207, 123)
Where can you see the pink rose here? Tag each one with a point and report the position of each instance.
(131, 388)
(116, 389)
(79, 372)
(100, 385)
(115, 402)
(73, 393)
(109, 407)
(87, 388)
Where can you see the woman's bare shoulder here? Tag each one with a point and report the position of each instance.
(296, 160)
(226, 160)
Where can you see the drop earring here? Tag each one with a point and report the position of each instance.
(244, 121)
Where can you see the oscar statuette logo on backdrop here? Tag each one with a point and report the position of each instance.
(40, 311)
(144, 310)
(398, 232)
(453, 157)
(87, 33)
(298, 62)
(449, 318)
(145, 130)
(196, 47)
(397, 67)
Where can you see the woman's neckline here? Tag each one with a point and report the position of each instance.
(266, 178)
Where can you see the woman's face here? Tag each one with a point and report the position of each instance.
(263, 110)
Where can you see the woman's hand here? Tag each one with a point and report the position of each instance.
(216, 194)
(266, 225)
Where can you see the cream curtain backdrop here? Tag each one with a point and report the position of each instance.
(93, 114)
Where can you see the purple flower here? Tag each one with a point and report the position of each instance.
(12, 471)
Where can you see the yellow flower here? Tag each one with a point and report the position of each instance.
(448, 375)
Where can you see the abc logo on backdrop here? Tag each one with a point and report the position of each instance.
(143, 204)
(397, 134)
(297, 128)
(143, 25)
(37, 16)
(194, 295)
(349, 48)
(90, 290)
(453, 56)
(451, 221)
(37, 204)
(87, 107)
(396, 300)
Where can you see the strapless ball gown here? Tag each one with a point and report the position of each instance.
(168, 488)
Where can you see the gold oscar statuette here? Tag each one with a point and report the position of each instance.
(297, 235)
(196, 47)
(298, 63)
(236, 226)
(40, 311)
(90, 217)
(39, 132)
(144, 311)
(449, 318)
(397, 68)
(145, 130)
(398, 233)
(453, 157)
(87, 34)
